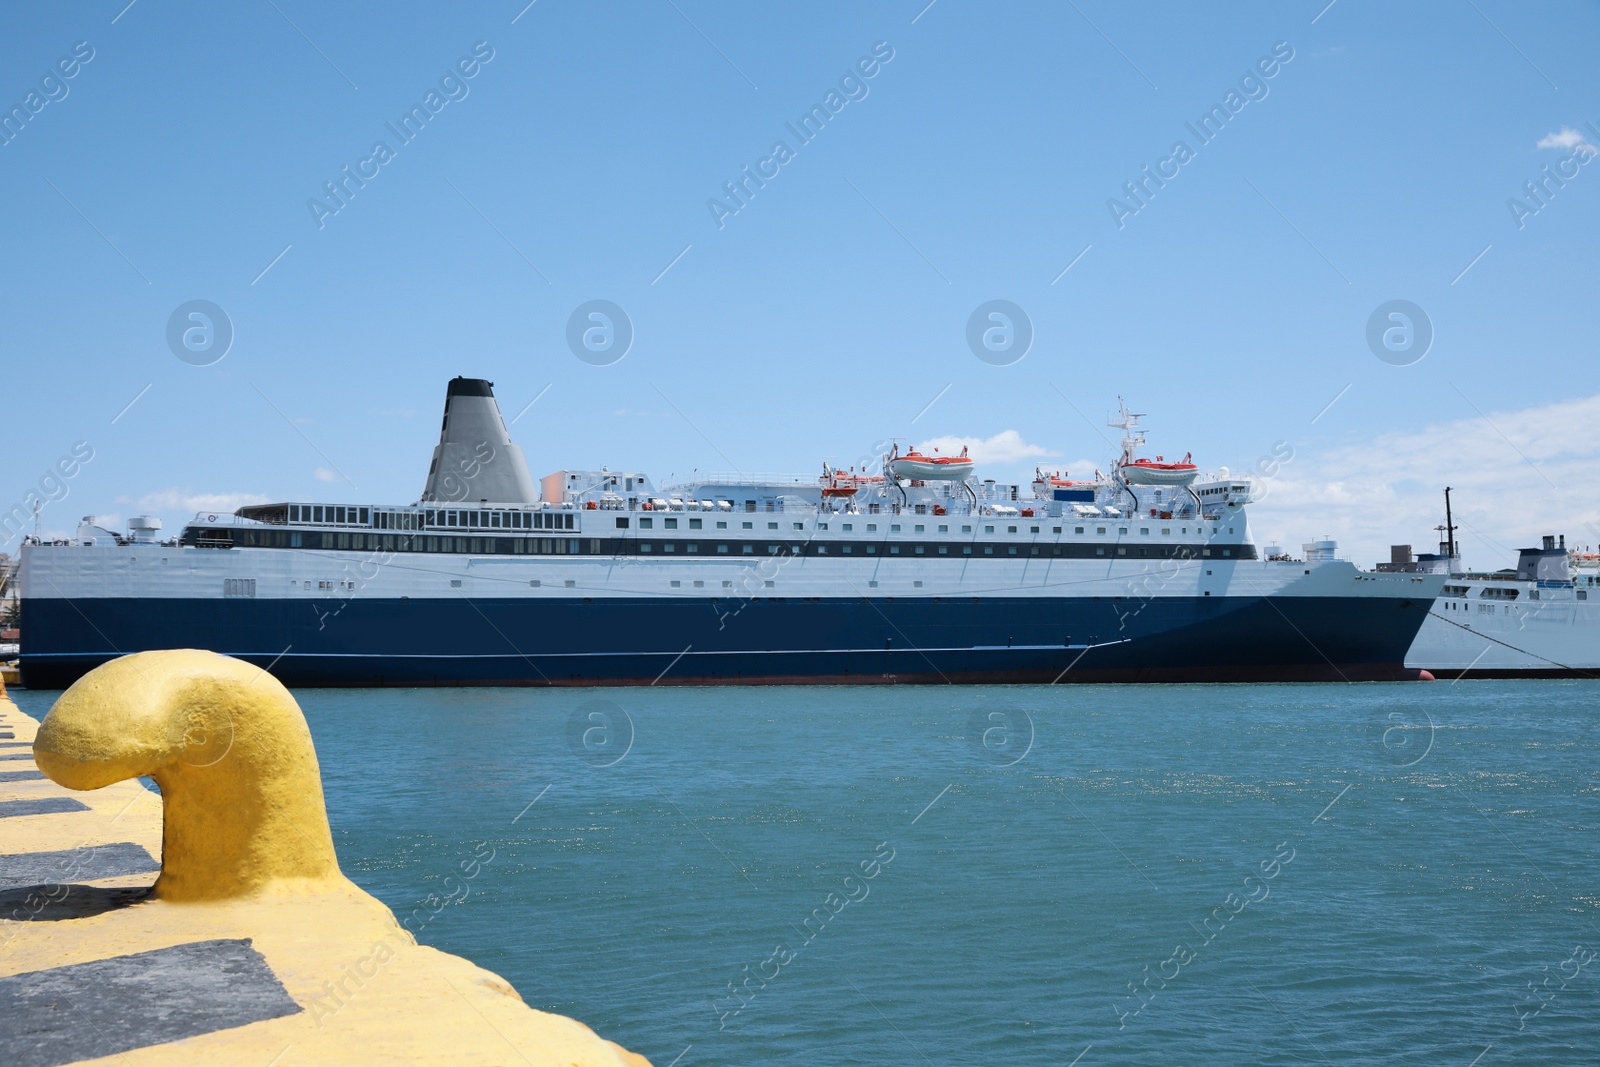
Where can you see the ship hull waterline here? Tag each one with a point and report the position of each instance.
(727, 641)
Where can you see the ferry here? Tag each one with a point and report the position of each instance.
(895, 573)
(1539, 619)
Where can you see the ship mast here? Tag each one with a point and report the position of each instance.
(1448, 529)
(1132, 434)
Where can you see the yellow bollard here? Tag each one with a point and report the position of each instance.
(231, 752)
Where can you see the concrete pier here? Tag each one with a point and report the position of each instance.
(210, 923)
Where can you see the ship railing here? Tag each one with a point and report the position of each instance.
(754, 478)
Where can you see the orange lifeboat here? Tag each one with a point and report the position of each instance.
(1157, 472)
(934, 468)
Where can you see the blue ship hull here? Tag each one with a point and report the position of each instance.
(778, 640)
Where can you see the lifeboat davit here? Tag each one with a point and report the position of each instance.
(1157, 472)
(918, 467)
(841, 483)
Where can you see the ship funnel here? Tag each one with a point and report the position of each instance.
(476, 460)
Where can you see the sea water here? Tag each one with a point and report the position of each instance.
(1265, 874)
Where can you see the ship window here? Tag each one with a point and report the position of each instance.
(694, 524)
(802, 526)
(988, 529)
(727, 585)
(1533, 594)
(1011, 529)
(668, 546)
(1011, 551)
(944, 529)
(1583, 594)
(645, 524)
(1145, 530)
(822, 526)
(772, 526)
(1166, 531)
(849, 526)
(773, 550)
(1099, 551)
(943, 550)
(846, 549)
(1122, 529)
(722, 548)
(966, 550)
(918, 550)
(570, 583)
(871, 526)
(699, 585)
(872, 585)
(747, 549)
(894, 550)
(749, 505)
(822, 550)
(1207, 552)
(768, 584)
(988, 550)
(344, 540)
(747, 526)
(622, 522)
(671, 524)
(316, 513)
(894, 527)
(1227, 552)
(872, 550)
(1099, 529)
(1077, 529)
(676, 583)
(1035, 529)
(722, 525)
(644, 546)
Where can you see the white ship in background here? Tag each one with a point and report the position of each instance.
(1541, 618)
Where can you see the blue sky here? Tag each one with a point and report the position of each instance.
(975, 164)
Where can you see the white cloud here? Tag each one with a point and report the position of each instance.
(1007, 446)
(1516, 475)
(323, 474)
(184, 500)
(1567, 138)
